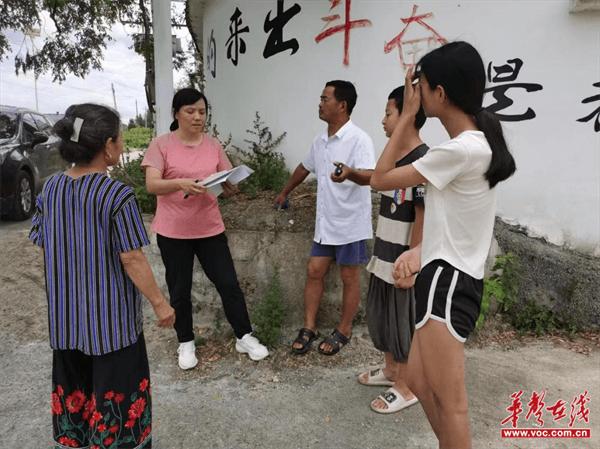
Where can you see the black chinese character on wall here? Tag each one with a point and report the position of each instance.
(235, 44)
(595, 113)
(275, 43)
(211, 55)
(507, 73)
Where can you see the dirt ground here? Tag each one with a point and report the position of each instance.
(231, 402)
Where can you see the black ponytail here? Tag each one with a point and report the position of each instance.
(459, 69)
(502, 166)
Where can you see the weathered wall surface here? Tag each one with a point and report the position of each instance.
(565, 281)
(256, 254)
(262, 240)
(542, 62)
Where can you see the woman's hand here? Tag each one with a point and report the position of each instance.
(412, 94)
(229, 189)
(165, 314)
(191, 187)
(406, 267)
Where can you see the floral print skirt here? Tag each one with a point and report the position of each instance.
(102, 402)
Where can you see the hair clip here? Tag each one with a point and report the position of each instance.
(77, 124)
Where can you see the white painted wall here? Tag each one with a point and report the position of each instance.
(556, 191)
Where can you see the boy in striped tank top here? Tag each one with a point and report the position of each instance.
(391, 310)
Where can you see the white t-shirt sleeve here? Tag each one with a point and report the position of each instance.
(309, 160)
(441, 165)
(365, 154)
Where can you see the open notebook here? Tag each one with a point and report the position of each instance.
(234, 176)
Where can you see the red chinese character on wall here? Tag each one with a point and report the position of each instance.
(558, 410)
(579, 410)
(410, 48)
(345, 27)
(515, 409)
(536, 407)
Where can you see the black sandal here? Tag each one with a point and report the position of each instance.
(305, 338)
(336, 340)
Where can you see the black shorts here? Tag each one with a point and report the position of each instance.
(390, 318)
(446, 294)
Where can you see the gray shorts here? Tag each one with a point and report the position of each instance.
(390, 318)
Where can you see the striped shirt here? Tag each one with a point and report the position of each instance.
(394, 224)
(82, 225)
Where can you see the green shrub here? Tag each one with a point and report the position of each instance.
(129, 171)
(531, 317)
(270, 171)
(137, 137)
(268, 313)
(502, 289)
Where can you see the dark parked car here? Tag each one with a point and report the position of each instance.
(28, 156)
(54, 117)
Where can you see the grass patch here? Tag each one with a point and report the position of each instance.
(269, 312)
(501, 295)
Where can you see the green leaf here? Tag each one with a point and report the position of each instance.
(66, 425)
(146, 418)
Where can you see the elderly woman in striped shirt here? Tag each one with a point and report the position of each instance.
(91, 232)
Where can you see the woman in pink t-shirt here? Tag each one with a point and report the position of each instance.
(188, 223)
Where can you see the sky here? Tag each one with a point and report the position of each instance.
(121, 66)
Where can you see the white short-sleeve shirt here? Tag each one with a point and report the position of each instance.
(343, 209)
(460, 207)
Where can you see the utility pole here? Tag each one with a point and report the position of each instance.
(31, 33)
(37, 106)
(114, 97)
(136, 109)
(163, 64)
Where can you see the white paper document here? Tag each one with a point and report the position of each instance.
(234, 176)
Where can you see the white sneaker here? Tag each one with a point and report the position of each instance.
(250, 345)
(187, 355)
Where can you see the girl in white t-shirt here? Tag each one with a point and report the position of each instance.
(459, 219)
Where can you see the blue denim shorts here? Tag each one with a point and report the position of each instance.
(353, 253)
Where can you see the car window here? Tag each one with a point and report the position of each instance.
(29, 127)
(42, 123)
(8, 125)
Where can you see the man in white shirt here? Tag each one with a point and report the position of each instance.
(342, 159)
